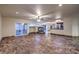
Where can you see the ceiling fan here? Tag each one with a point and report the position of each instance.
(47, 16)
(43, 17)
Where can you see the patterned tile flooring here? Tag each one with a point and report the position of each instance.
(39, 44)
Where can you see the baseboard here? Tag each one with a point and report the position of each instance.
(36, 33)
(7, 37)
(65, 35)
(61, 35)
(44, 33)
(75, 37)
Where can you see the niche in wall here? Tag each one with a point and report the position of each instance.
(57, 26)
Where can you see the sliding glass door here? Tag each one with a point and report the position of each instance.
(21, 29)
(18, 28)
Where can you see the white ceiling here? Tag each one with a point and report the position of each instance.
(27, 11)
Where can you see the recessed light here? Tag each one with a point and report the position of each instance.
(60, 5)
(17, 12)
(38, 11)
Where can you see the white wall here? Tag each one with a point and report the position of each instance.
(0, 27)
(67, 27)
(75, 27)
(71, 26)
(8, 25)
(78, 27)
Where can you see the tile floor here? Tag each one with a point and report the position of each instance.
(39, 44)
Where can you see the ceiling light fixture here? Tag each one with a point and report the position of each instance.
(38, 12)
(60, 5)
(17, 12)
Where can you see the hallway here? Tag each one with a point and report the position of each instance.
(39, 44)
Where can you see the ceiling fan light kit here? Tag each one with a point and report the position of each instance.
(17, 12)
